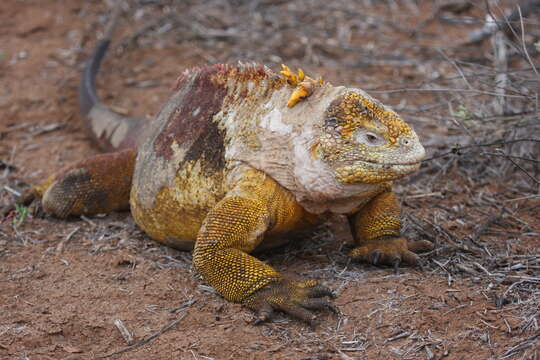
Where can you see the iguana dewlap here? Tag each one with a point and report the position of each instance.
(242, 158)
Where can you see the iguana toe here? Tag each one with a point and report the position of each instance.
(297, 299)
(390, 251)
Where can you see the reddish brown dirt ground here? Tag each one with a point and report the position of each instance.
(64, 283)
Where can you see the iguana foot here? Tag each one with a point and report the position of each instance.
(100, 184)
(28, 198)
(390, 251)
(292, 297)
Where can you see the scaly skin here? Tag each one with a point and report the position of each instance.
(242, 159)
(233, 228)
(376, 231)
(97, 185)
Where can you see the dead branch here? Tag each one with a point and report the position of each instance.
(483, 228)
(456, 150)
(129, 41)
(529, 342)
(126, 334)
(145, 340)
(491, 27)
(62, 244)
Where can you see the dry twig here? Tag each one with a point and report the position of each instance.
(145, 340)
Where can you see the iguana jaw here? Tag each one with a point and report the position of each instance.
(386, 166)
(362, 172)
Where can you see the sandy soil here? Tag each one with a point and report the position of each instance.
(63, 284)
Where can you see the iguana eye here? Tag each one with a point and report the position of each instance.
(331, 121)
(369, 138)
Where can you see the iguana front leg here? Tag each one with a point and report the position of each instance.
(376, 228)
(236, 226)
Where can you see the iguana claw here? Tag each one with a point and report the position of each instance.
(390, 251)
(292, 297)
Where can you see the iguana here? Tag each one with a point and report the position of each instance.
(239, 159)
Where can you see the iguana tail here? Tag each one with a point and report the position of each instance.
(109, 130)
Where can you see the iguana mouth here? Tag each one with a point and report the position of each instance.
(404, 167)
(379, 164)
(365, 172)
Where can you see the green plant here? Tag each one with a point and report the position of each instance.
(462, 113)
(21, 213)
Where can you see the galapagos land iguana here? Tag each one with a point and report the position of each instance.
(242, 158)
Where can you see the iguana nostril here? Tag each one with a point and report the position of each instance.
(404, 141)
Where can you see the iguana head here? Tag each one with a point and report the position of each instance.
(364, 142)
